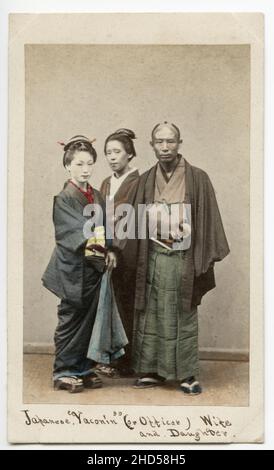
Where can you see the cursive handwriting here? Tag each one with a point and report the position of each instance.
(148, 427)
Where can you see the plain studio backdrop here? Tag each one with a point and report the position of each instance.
(93, 90)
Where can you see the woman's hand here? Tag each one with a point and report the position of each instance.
(111, 260)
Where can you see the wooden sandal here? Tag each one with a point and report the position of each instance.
(92, 381)
(106, 370)
(72, 384)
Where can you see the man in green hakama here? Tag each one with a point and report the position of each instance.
(174, 271)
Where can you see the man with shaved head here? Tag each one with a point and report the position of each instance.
(175, 268)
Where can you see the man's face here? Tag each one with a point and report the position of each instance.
(165, 144)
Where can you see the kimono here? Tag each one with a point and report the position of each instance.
(124, 275)
(171, 283)
(75, 278)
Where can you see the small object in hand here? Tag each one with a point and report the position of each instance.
(95, 247)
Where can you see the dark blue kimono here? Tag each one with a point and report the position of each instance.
(76, 280)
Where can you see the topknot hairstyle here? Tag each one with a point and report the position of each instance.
(126, 137)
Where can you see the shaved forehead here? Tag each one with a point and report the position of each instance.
(166, 125)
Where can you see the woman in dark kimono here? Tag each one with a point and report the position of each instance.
(75, 269)
(121, 188)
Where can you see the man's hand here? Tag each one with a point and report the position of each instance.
(111, 260)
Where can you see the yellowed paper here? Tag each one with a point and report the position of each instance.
(91, 74)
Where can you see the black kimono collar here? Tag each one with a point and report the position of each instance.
(74, 192)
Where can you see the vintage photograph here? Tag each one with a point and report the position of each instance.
(136, 269)
(138, 157)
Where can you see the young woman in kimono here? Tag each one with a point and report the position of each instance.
(121, 188)
(75, 269)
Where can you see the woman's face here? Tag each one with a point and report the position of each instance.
(117, 156)
(81, 167)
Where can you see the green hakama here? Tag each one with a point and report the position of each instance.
(166, 337)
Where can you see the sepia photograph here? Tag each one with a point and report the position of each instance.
(134, 300)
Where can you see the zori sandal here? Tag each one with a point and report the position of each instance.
(148, 382)
(71, 383)
(106, 370)
(191, 386)
(92, 381)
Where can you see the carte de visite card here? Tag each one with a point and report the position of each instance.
(135, 110)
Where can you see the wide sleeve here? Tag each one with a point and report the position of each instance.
(69, 225)
(70, 243)
(210, 240)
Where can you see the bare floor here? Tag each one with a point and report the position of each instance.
(224, 384)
